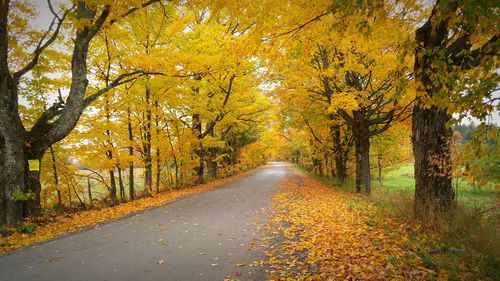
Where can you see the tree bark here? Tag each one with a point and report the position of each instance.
(362, 145)
(361, 132)
(430, 134)
(340, 154)
(431, 147)
(199, 150)
(112, 185)
(211, 163)
(89, 191)
(56, 178)
(131, 154)
(158, 169)
(379, 163)
(148, 159)
(120, 183)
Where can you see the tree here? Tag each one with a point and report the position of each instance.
(17, 145)
(456, 54)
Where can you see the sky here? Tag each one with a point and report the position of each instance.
(45, 17)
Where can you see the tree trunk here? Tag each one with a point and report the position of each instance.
(430, 135)
(211, 163)
(431, 147)
(158, 169)
(363, 165)
(340, 154)
(89, 191)
(122, 187)
(112, 191)
(379, 162)
(131, 154)
(199, 150)
(12, 159)
(148, 159)
(33, 186)
(361, 133)
(56, 178)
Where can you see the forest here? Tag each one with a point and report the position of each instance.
(112, 107)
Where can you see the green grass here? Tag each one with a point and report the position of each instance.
(401, 181)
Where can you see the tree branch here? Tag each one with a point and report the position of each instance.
(41, 46)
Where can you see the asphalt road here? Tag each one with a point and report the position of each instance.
(212, 235)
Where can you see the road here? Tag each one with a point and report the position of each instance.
(206, 236)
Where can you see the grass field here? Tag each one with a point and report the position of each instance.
(400, 182)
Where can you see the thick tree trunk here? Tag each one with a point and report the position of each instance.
(431, 147)
(430, 135)
(361, 132)
(12, 173)
(212, 168)
(363, 165)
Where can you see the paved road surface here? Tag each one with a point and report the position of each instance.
(200, 237)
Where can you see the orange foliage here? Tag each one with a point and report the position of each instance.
(333, 235)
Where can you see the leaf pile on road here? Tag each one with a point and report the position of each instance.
(325, 234)
(71, 222)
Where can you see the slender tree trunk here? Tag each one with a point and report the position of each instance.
(211, 163)
(379, 162)
(339, 154)
(158, 169)
(158, 160)
(112, 185)
(109, 152)
(174, 157)
(431, 147)
(131, 154)
(56, 178)
(89, 191)
(199, 150)
(120, 183)
(148, 165)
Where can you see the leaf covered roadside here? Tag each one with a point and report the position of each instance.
(325, 234)
(70, 222)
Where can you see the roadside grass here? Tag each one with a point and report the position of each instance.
(467, 244)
